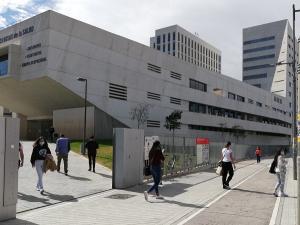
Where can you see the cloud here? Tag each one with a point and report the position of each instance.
(217, 22)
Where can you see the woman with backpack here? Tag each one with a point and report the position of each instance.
(279, 168)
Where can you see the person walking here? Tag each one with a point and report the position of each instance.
(156, 158)
(62, 152)
(92, 147)
(21, 155)
(280, 170)
(227, 162)
(258, 154)
(38, 156)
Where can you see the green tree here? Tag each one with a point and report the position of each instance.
(173, 122)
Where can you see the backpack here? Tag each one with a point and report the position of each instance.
(272, 167)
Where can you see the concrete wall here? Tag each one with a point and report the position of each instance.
(9, 150)
(128, 161)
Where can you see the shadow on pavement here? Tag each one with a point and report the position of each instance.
(194, 206)
(256, 192)
(17, 222)
(78, 178)
(104, 175)
(60, 198)
(31, 198)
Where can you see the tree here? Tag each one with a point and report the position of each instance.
(140, 113)
(172, 122)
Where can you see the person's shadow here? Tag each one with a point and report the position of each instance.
(77, 178)
(60, 198)
(104, 175)
(31, 198)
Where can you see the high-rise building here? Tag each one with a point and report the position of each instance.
(176, 41)
(264, 46)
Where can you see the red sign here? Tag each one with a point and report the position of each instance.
(202, 141)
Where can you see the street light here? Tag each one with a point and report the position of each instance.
(84, 129)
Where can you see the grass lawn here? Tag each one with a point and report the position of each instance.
(104, 153)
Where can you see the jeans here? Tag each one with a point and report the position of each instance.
(39, 166)
(155, 171)
(65, 158)
(280, 182)
(258, 158)
(226, 167)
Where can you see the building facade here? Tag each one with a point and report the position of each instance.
(44, 55)
(264, 46)
(178, 42)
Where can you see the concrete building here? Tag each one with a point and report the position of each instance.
(44, 55)
(178, 42)
(264, 46)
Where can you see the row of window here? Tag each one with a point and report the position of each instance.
(246, 68)
(259, 49)
(217, 111)
(225, 129)
(255, 76)
(259, 40)
(259, 58)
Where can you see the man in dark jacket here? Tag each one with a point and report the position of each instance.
(92, 146)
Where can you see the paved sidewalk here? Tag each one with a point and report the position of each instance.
(58, 187)
(193, 199)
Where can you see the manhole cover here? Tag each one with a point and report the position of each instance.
(120, 196)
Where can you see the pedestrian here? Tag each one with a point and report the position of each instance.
(92, 147)
(156, 158)
(258, 154)
(280, 170)
(51, 132)
(62, 152)
(38, 156)
(227, 161)
(21, 155)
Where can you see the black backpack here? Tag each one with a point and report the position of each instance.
(273, 165)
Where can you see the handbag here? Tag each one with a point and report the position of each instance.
(219, 169)
(272, 167)
(147, 171)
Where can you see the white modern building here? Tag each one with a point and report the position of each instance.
(264, 46)
(178, 42)
(43, 56)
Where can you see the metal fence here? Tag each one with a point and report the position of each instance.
(181, 154)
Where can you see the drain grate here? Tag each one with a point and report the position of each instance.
(120, 196)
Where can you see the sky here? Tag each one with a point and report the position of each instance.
(218, 22)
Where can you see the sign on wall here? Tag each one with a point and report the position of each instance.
(202, 150)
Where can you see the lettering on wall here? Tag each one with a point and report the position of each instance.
(17, 34)
(37, 52)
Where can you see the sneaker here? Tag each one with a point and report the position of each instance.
(58, 170)
(42, 191)
(275, 194)
(226, 187)
(146, 195)
(283, 195)
(94, 170)
(38, 189)
(159, 197)
(89, 169)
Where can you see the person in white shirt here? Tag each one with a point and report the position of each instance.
(227, 161)
(280, 170)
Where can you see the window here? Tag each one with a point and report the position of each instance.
(164, 38)
(164, 48)
(258, 104)
(174, 46)
(255, 76)
(259, 58)
(240, 98)
(231, 96)
(3, 65)
(259, 40)
(290, 104)
(158, 40)
(257, 85)
(198, 85)
(250, 101)
(158, 47)
(169, 37)
(174, 36)
(168, 47)
(259, 49)
(290, 94)
(117, 91)
(257, 67)
(197, 107)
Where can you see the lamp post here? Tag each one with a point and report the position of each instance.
(84, 126)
